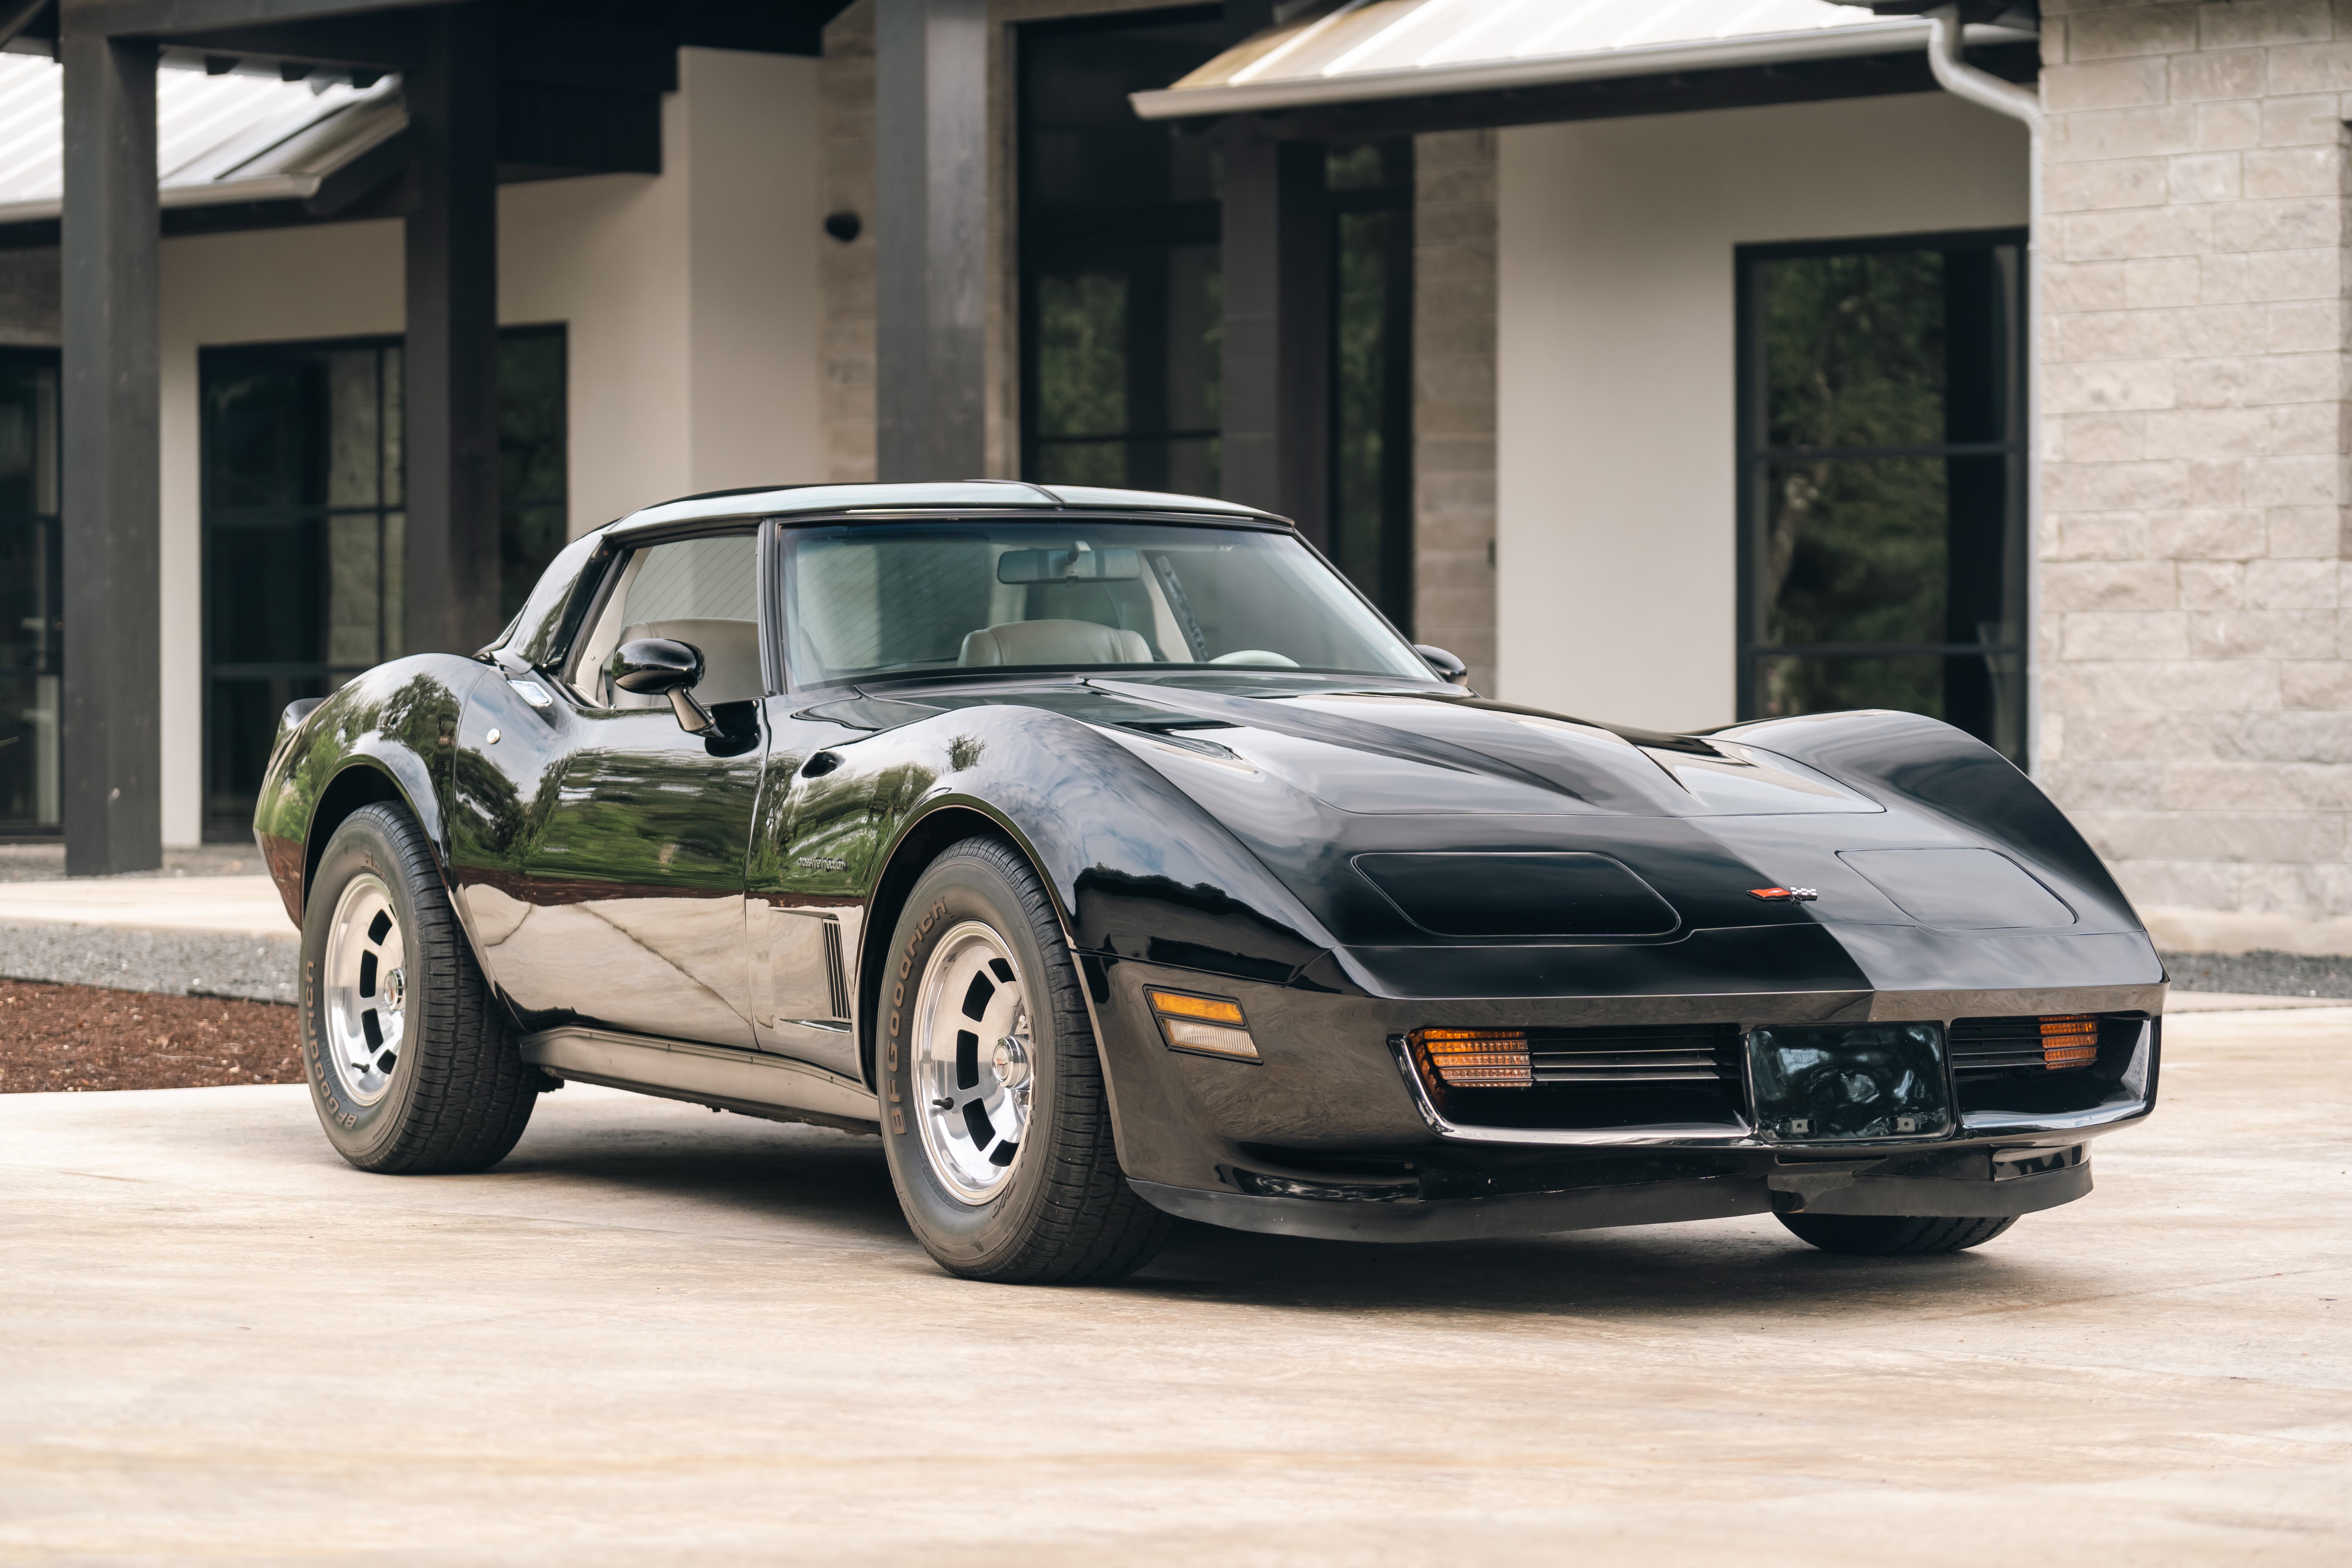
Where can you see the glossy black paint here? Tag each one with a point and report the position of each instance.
(1242, 834)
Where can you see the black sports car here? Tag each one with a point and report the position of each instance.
(1115, 860)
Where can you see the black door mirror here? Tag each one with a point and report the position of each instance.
(1446, 664)
(658, 667)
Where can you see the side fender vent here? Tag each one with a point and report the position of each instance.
(836, 972)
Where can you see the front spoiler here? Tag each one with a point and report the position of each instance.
(1599, 1208)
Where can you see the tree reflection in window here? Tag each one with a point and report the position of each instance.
(1883, 494)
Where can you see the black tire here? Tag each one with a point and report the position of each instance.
(1895, 1236)
(456, 1094)
(1063, 1214)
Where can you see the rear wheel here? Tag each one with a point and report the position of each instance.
(412, 1067)
(995, 1116)
(1895, 1236)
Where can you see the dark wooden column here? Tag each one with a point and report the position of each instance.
(1277, 327)
(931, 234)
(452, 364)
(113, 678)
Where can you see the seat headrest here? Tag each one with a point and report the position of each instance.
(1053, 643)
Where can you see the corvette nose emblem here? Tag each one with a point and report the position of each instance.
(1784, 895)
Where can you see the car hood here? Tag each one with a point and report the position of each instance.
(1391, 750)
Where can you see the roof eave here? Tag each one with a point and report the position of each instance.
(1892, 36)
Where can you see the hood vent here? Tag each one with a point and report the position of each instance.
(1505, 895)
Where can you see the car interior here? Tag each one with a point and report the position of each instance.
(702, 591)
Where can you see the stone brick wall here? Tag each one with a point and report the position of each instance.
(2195, 700)
(1454, 398)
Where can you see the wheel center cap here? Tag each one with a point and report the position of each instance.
(1011, 1061)
(395, 990)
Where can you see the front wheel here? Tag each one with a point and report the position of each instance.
(411, 1068)
(996, 1118)
(1895, 1236)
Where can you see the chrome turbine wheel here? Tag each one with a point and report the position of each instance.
(365, 984)
(974, 1062)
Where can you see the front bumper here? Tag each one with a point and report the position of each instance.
(2005, 1189)
(1333, 1133)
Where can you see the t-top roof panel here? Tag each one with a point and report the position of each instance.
(1348, 50)
(230, 138)
(868, 498)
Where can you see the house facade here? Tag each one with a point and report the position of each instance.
(1670, 363)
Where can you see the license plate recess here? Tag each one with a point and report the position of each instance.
(1849, 1083)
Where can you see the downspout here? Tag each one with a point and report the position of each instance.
(1987, 91)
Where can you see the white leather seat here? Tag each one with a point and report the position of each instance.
(730, 659)
(1053, 643)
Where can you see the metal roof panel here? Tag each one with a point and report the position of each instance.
(217, 138)
(1350, 50)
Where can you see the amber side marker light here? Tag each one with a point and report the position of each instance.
(1212, 1025)
(2069, 1040)
(1473, 1059)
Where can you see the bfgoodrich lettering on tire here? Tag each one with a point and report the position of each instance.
(994, 1111)
(411, 1065)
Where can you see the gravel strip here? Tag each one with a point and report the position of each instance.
(21, 862)
(177, 963)
(2261, 973)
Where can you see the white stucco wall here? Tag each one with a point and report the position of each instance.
(1615, 446)
(690, 301)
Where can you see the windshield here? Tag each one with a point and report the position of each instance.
(889, 599)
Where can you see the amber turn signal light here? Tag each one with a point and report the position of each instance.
(1473, 1059)
(1211, 1026)
(2069, 1040)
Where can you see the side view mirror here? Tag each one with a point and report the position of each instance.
(1447, 666)
(658, 667)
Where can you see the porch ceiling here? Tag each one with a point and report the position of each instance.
(1336, 52)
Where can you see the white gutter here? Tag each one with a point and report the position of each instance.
(1883, 38)
(1965, 81)
(1988, 91)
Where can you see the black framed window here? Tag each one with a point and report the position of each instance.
(1121, 292)
(1371, 196)
(1883, 479)
(1122, 299)
(32, 593)
(304, 526)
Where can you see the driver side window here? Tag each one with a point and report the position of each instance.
(702, 591)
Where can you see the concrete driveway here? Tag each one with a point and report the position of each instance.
(660, 1335)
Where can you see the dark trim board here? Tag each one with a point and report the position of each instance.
(767, 26)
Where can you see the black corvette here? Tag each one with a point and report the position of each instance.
(1109, 856)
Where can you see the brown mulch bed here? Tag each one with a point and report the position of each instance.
(74, 1037)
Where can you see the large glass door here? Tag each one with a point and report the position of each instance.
(304, 527)
(32, 593)
(1122, 340)
(303, 542)
(1371, 196)
(1121, 302)
(1883, 496)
